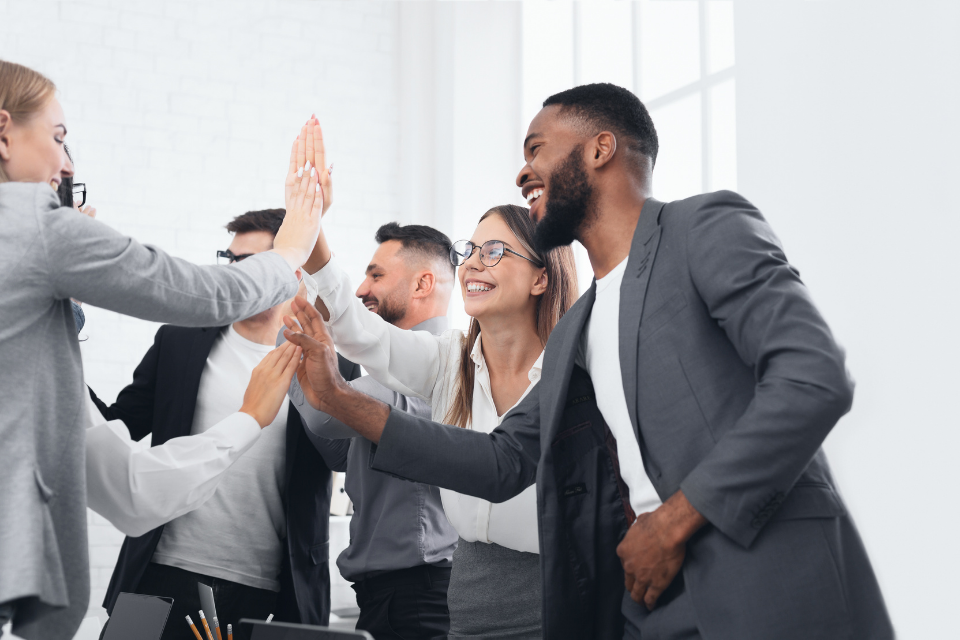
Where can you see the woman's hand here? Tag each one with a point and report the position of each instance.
(88, 211)
(298, 234)
(269, 383)
(308, 153)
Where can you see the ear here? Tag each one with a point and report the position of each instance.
(425, 283)
(602, 149)
(5, 123)
(540, 284)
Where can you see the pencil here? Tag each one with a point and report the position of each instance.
(194, 628)
(206, 627)
(229, 632)
(216, 628)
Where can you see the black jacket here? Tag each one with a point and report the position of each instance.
(161, 400)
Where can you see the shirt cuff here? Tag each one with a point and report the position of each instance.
(237, 431)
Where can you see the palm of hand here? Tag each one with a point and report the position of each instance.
(309, 148)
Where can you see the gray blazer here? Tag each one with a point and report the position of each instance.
(49, 254)
(732, 380)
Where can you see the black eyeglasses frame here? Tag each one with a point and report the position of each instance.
(231, 257)
(458, 258)
(81, 188)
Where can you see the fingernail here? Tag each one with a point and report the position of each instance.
(300, 172)
(312, 170)
(330, 170)
(307, 165)
(318, 188)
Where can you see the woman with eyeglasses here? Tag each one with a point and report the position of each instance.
(49, 254)
(515, 296)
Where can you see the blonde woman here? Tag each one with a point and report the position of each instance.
(49, 254)
(515, 296)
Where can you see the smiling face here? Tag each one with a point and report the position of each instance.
(32, 150)
(511, 287)
(387, 288)
(555, 181)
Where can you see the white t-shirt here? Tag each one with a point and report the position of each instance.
(237, 534)
(600, 355)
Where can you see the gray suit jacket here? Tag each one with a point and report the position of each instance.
(732, 380)
(49, 254)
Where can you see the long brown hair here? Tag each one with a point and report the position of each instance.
(23, 94)
(560, 295)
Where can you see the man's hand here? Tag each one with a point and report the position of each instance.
(319, 372)
(269, 383)
(653, 550)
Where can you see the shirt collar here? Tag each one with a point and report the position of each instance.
(477, 356)
(436, 325)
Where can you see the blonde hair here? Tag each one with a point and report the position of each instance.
(560, 295)
(23, 94)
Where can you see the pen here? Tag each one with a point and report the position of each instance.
(229, 632)
(206, 627)
(194, 628)
(216, 628)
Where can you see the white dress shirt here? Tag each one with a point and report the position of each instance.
(138, 487)
(600, 356)
(416, 363)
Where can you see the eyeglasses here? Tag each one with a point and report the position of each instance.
(491, 252)
(79, 193)
(228, 257)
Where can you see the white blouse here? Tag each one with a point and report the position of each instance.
(417, 363)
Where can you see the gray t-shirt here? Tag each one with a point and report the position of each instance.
(238, 534)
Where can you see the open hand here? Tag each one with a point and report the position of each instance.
(308, 153)
(318, 373)
(298, 234)
(269, 383)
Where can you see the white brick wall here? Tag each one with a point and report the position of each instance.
(181, 116)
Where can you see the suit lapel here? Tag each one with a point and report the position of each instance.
(561, 355)
(633, 291)
(203, 341)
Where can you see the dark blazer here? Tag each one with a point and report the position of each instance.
(732, 380)
(161, 400)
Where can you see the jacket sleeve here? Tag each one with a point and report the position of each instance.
(802, 386)
(135, 403)
(89, 261)
(493, 466)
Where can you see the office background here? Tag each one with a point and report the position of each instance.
(836, 117)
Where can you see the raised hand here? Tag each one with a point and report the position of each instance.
(298, 234)
(318, 373)
(269, 383)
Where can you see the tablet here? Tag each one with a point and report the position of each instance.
(260, 630)
(137, 617)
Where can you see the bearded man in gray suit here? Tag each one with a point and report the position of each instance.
(694, 384)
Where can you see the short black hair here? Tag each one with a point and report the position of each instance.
(418, 238)
(607, 107)
(264, 220)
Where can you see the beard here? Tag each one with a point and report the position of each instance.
(568, 206)
(390, 309)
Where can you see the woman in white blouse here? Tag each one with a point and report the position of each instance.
(515, 297)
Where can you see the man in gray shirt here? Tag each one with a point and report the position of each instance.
(401, 543)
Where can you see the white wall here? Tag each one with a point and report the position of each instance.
(181, 116)
(847, 139)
